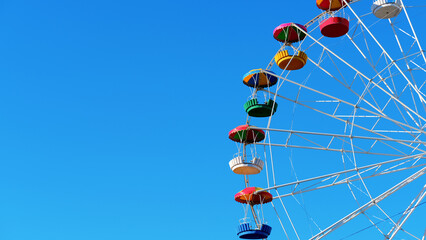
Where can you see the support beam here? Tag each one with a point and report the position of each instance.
(370, 204)
(407, 213)
(338, 135)
(342, 172)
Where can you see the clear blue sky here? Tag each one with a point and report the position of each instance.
(115, 114)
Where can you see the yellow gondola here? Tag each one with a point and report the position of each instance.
(291, 62)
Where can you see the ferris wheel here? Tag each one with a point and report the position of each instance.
(335, 129)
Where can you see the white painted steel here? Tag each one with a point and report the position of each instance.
(414, 204)
(333, 175)
(370, 204)
(338, 135)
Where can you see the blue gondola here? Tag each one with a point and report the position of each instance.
(246, 232)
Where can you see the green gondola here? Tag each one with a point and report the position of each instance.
(255, 109)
